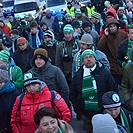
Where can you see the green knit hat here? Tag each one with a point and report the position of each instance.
(78, 11)
(4, 55)
(68, 28)
(26, 16)
(17, 17)
(96, 15)
(88, 51)
(68, 15)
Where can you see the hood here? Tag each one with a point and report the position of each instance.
(113, 12)
(112, 21)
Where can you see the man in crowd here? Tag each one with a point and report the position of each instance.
(110, 42)
(90, 82)
(23, 55)
(49, 73)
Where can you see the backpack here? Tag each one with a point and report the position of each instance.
(53, 94)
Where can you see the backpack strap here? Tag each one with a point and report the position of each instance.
(20, 101)
(53, 95)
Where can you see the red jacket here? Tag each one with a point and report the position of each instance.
(23, 121)
(6, 30)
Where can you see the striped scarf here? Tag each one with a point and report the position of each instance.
(89, 90)
(129, 47)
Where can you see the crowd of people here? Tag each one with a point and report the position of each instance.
(50, 65)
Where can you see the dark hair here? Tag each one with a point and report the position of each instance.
(33, 24)
(45, 111)
(14, 32)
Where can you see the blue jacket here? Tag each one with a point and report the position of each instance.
(8, 94)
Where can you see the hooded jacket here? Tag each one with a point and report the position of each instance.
(23, 121)
(53, 77)
(111, 42)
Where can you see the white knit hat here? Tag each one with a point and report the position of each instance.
(104, 123)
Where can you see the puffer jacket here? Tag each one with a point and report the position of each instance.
(23, 121)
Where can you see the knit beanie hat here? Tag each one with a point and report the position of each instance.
(3, 73)
(88, 51)
(48, 33)
(78, 12)
(75, 24)
(4, 55)
(86, 39)
(26, 16)
(104, 123)
(86, 24)
(68, 15)
(17, 17)
(21, 40)
(120, 8)
(106, 3)
(30, 78)
(111, 100)
(59, 15)
(68, 28)
(96, 15)
(10, 18)
(42, 53)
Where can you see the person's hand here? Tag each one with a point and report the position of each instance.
(106, 31)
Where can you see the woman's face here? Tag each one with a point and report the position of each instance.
(48, 125)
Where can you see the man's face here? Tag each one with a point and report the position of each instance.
(2, 62)
(44, 27)
(130, 34)
(109, 17)
(112, 28)
(87, 29)
(114, 112)
(13, 35)
(94, 20)
(32, 88)
(1, 24)
(47, 39)
(22, 46)
(68, 19)
(84, 46)
(89, 61)
(120, 12)
(34, 30)
(39, 62)
(68, 36)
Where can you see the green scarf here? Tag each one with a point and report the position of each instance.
(124, 120)
(59, 130)
(129, 47)
(78, 61)
(89, 92)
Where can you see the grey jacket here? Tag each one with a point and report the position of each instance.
(54, 78)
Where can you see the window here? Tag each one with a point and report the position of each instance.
(25, 7)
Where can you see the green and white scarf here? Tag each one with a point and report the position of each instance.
(89, 90)
(129, 47)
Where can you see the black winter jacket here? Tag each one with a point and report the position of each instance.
(122, 51)
(104, 83)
